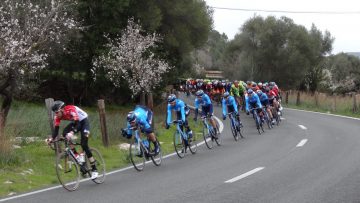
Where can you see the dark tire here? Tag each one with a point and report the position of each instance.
(218, 140)
(193, 144)
(137, 155)
(158, 158)
(67, 171)
(100, 166)
(209, 141)
(267, 119)
(179, 145)
(233, 130)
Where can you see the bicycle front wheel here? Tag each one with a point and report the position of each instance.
(179, 144)
(209, 140)
(67, 171)
(100, 166)
(158, 158)
(218, 135)
(234, 131)
(137, 155)
(193, 143)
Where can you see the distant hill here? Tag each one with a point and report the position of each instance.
(354, 53)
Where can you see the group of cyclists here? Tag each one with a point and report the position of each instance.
(235, 96)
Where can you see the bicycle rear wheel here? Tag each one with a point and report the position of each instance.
(100, 166)
(137, 155)
(158, 158)
(67, 171)
(193, 143)
(267, 119)
(209, 141)
(179, 144)
(218, 139)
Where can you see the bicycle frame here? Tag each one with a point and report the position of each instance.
(178, 128)
(138, 139)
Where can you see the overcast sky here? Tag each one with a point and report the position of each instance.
(345, 28)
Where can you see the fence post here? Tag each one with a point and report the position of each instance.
(49, 102)
(298, 98)
(316, 99)
(355, 108)
(287, 97)
(102, 115)
(150, 105)
(334, 102)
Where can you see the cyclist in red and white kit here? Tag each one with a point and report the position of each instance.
(79, 123)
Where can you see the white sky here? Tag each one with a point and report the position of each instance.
(345, 28)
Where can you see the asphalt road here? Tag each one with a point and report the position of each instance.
(310, 157)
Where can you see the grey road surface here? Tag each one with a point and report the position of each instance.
(316, 162)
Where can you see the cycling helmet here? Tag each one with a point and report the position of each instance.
(226, 94)
(131, 117)
(199, 93)
(235, 81)
(253, 84)
(259, 92)
(272, 83)
(57, 105)
(250, 91)
(171, 98)
(260, 84)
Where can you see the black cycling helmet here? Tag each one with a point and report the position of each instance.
(131, 117)
(57, 105)
(226, 95)
(171, 98)
(199, 93)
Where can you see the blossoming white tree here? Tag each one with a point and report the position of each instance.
(130, 58)
(26, 33)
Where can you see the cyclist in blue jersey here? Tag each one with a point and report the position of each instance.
(265, 102)
(141, 117)
(206, 107)
(229, 104)
(182, 112)
(252, 101)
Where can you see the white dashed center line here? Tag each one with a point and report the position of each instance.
(302, 127)
(302, 143)
(244, 175)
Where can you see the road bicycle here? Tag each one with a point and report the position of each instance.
(70, 168)
(182, 141)
(235, 126)
(141, 150)
(209, 133)
(258, 122)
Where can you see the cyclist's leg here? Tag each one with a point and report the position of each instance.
(66, 130)
(85, 132)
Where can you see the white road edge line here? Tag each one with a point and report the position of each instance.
(221, 128)
(326, 114)
(302, 127)
(244, 175)
(302, 143)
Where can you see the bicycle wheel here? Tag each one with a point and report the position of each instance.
(67, 171)
(257, 122)
(233, 130)
(100, 166)
(158, 158)
(267, 119)
(218, 140)
(193, 143)
(179, 145)
(137, 155)
(209, 141)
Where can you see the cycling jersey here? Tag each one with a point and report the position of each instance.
(253, 101)
(230, 103)
(264, 99)
(204, 101)
(180, 107)
(237, 91)
(70, 113)
(143, 119)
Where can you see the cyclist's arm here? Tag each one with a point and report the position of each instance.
(258, 102)
(129, 129)
(182, 111)
(196, 107)
(247, 103)
(168, 119)
(224, 107)
(233, 103)
(56, 127)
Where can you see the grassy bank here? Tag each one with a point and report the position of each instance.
(31, 166)
(334, 104)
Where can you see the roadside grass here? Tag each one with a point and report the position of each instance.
(340, 105)
(32, 166)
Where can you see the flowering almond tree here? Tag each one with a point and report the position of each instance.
(130, 58)
(26, 33)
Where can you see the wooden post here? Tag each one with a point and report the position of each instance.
(104, 135)
(49, 103)
(287, 97)
(333, 107)
(142, 98)
(355, 107)
(150, 105)
(298, 98)
(316, 99)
